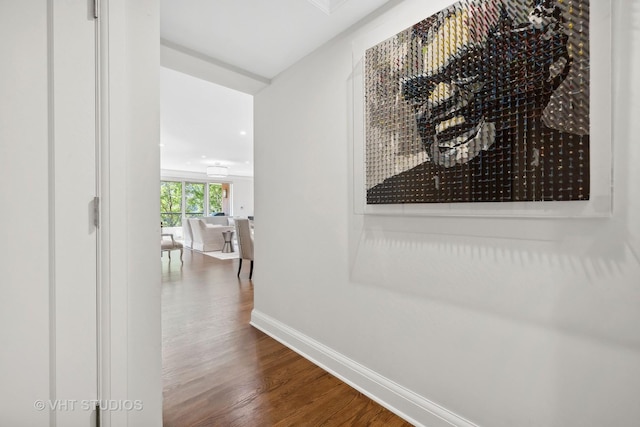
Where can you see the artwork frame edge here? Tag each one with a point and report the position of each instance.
(600, 203)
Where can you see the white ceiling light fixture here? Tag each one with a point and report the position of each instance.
(217, 171)
(327, 6)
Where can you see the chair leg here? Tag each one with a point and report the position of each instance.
(181, 250)
(251, 270)
(169, 252)
(239, 267)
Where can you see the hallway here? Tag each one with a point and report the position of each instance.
(220, 371)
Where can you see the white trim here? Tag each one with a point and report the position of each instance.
(175, 175)
(131, 344)
(327, 6)
(399, 400)
(51, 206)
(112, 335)
(188, 61)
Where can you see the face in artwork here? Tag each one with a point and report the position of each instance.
(480, 70)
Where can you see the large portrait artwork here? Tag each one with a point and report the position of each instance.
(485, 101)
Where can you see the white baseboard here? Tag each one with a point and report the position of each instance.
(413, 408)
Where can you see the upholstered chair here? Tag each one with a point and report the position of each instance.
(245, 243)
(186, 231)
(168, 245)
(207, 237)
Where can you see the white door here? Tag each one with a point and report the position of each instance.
(74, 187)
(48, 181)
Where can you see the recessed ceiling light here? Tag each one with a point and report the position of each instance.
(248, 162)
(161, 145)
(204, 157)
(188, 163)
(243, 132)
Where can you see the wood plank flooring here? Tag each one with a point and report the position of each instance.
(220, 371)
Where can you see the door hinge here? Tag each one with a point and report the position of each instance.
(96, 7)
(96, 211)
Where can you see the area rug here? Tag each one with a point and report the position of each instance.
(221, 255)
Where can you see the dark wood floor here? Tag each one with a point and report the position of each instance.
(220, 371)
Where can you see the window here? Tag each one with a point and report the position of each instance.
(171, 203)
(194, 199)
(180, 200)
(215, 199)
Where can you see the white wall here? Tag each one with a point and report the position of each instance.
(500, 322)
(24, 165)
(242, 196)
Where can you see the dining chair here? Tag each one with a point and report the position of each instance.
(245, 243)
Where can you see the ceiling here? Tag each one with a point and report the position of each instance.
(202, 121)
(203, 124)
